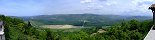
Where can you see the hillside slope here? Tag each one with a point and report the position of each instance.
(77, 19)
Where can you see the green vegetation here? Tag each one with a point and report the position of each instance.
(77, 19)
(16, 29)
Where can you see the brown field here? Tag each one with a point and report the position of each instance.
(59, 26)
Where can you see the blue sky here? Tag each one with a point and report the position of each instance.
(48, 7)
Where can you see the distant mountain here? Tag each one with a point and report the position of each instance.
(77, 19)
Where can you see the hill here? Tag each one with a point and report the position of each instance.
(16, 29)
(77, 19)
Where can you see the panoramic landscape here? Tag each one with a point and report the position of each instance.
(76, 19)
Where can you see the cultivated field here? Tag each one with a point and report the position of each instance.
(60, 26)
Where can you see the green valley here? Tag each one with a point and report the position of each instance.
(16, 29)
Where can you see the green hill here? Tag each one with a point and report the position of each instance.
(77, 19)
(16, 29)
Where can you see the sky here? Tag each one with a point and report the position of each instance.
(49, 7)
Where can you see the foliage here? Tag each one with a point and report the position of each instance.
(77, 19)
(16, 29)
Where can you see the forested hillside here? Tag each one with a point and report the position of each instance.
(77, 19)
(16, 29)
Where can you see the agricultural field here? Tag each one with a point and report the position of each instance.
(60, 26)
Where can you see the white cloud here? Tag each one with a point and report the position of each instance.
(91, 4)
(142, 5)
(118, 6)
(111, 3)
(86, 1)
(136, 2)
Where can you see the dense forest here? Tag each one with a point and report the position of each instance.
(16, 29)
